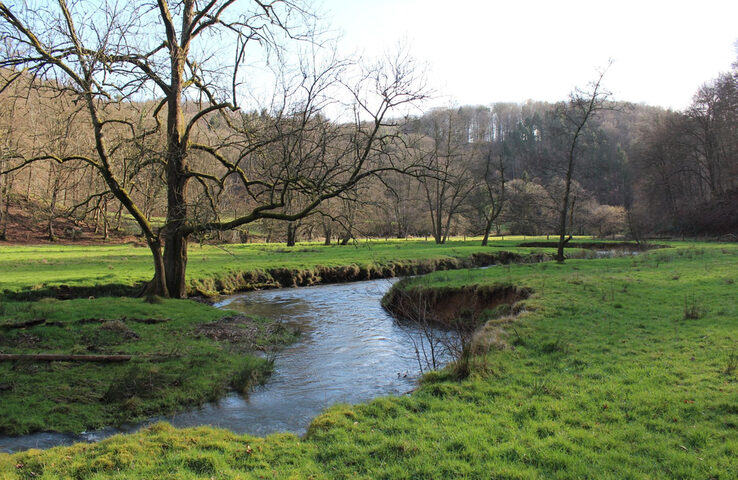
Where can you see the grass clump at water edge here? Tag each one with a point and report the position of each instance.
(183, 354)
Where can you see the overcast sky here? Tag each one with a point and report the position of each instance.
(479, 52)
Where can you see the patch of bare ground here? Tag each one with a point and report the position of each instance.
(28, 224)
(246, 333)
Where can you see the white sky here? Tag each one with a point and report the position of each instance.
(484, 51)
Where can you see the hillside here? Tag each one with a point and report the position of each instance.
(27, 222)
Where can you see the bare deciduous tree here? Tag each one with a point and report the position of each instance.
(449, 180)
(573, 117)
(171, 59)
(493, 192)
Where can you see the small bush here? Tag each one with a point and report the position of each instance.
(462, 366)
(692, 309)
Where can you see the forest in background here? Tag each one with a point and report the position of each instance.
(234, 124)
(242, 124)
(643, 170)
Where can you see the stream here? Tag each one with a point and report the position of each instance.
(350, 351)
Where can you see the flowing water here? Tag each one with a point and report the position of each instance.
(350, 351)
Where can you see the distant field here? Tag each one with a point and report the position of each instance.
(47, 267)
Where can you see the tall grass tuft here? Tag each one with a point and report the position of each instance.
(732, 363)
(692, 309)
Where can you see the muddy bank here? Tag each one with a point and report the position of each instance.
(285, 277)
(245, 333)
(237, 282)
(454, 306)
(67, 292)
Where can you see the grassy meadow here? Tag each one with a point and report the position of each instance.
(175, 363)
(615, 368)
(36, 271)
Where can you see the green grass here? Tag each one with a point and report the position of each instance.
(618, 368)
(33, 271)
(174, 365)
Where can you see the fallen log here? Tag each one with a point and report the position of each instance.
(53, 357)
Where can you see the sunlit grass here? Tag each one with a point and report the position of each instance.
(123, 268)
(172, 366)
(604, 377)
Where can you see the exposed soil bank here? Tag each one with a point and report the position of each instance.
(66, 292)
(632, 246)
(284, 277)
(449, 305)
(235, 282)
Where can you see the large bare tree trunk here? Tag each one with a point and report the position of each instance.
(175, 241)
(175, 251)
